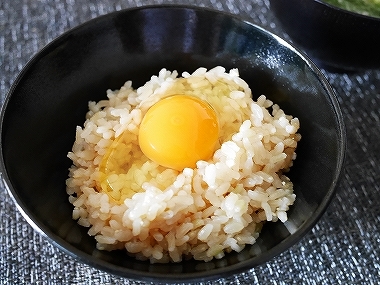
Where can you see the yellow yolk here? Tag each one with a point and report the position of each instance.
(178, 131)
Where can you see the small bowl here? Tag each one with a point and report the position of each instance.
(50, 96)
(336, 39)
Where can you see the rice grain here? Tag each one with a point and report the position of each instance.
(161, 214)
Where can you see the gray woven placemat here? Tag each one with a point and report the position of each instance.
(343, 248)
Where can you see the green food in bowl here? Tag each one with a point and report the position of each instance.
(364, 7)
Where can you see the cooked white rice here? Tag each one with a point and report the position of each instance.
(202, 213)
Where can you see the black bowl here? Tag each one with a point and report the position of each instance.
(336, 39)
(49, 99)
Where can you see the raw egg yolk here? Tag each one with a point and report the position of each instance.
(178, 131)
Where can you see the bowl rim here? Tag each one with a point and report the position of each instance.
(200, 276)
(349, 12)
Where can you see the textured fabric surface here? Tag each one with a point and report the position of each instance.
(343, 248)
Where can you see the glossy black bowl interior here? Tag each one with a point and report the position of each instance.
(49, 99)
(334, 38)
